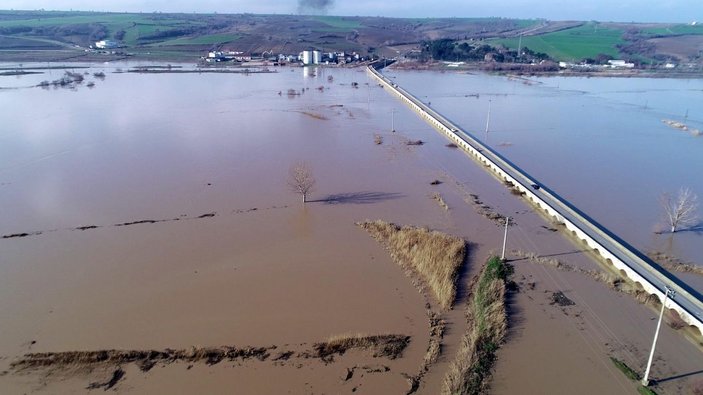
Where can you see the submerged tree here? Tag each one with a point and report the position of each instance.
(301, 180)
(681, 212)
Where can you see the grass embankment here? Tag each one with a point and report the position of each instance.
(632, 375)
(435, 256)
(646, 390)
(626, 370)
(487, 324)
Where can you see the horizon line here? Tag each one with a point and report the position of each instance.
(344, 16)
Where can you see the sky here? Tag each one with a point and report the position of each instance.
(683, 11)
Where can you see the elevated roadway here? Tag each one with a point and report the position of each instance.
(644, 272)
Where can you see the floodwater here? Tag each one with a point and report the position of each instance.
(233, 257)
(598, 142)
(157, 216)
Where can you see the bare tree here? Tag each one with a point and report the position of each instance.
(301, 180)
(680, 212)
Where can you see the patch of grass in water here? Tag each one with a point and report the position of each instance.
(435, 256)
(646, 390)
(487, 324)
(626, 370)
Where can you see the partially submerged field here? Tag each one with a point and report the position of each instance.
(161, 250)
(435, 257)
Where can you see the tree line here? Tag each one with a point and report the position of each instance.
(453, 51)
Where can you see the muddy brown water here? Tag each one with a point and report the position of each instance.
(265, 269)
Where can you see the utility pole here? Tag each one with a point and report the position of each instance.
(368, 89)
(505, 238)
(488, 118)
(645, 379)
(519, 47)
(393, 120)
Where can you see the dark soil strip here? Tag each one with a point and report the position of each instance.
(71, 67)
(487, 211)
(143, 221)
(87, 227)
(138, 222)
(15, 73)
(386, 346)
(560, 299)
(20, 235)
(117, 375)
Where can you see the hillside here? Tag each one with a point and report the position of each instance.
(44, 35)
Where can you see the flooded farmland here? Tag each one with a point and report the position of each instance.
(152, 212)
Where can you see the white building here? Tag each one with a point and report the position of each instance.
(311, 57)
(620, 64)
(107, 44)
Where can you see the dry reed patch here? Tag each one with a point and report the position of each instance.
(440, 200)
(144, 359)
(389, 346)
(313, 115)
(435, 256)
(487, 323)
(674, 264)
(108, 365)
(675, 320)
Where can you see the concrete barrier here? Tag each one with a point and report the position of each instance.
(626, 259)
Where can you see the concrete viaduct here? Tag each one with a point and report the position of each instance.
(632, 264)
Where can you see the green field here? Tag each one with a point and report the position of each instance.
(135, 26)
(7, 42)
(525, 23)
(585, 41)
(62, 19)
(674, 30)
(209, 39)
(339, 22)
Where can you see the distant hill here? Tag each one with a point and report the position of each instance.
(40, 35)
